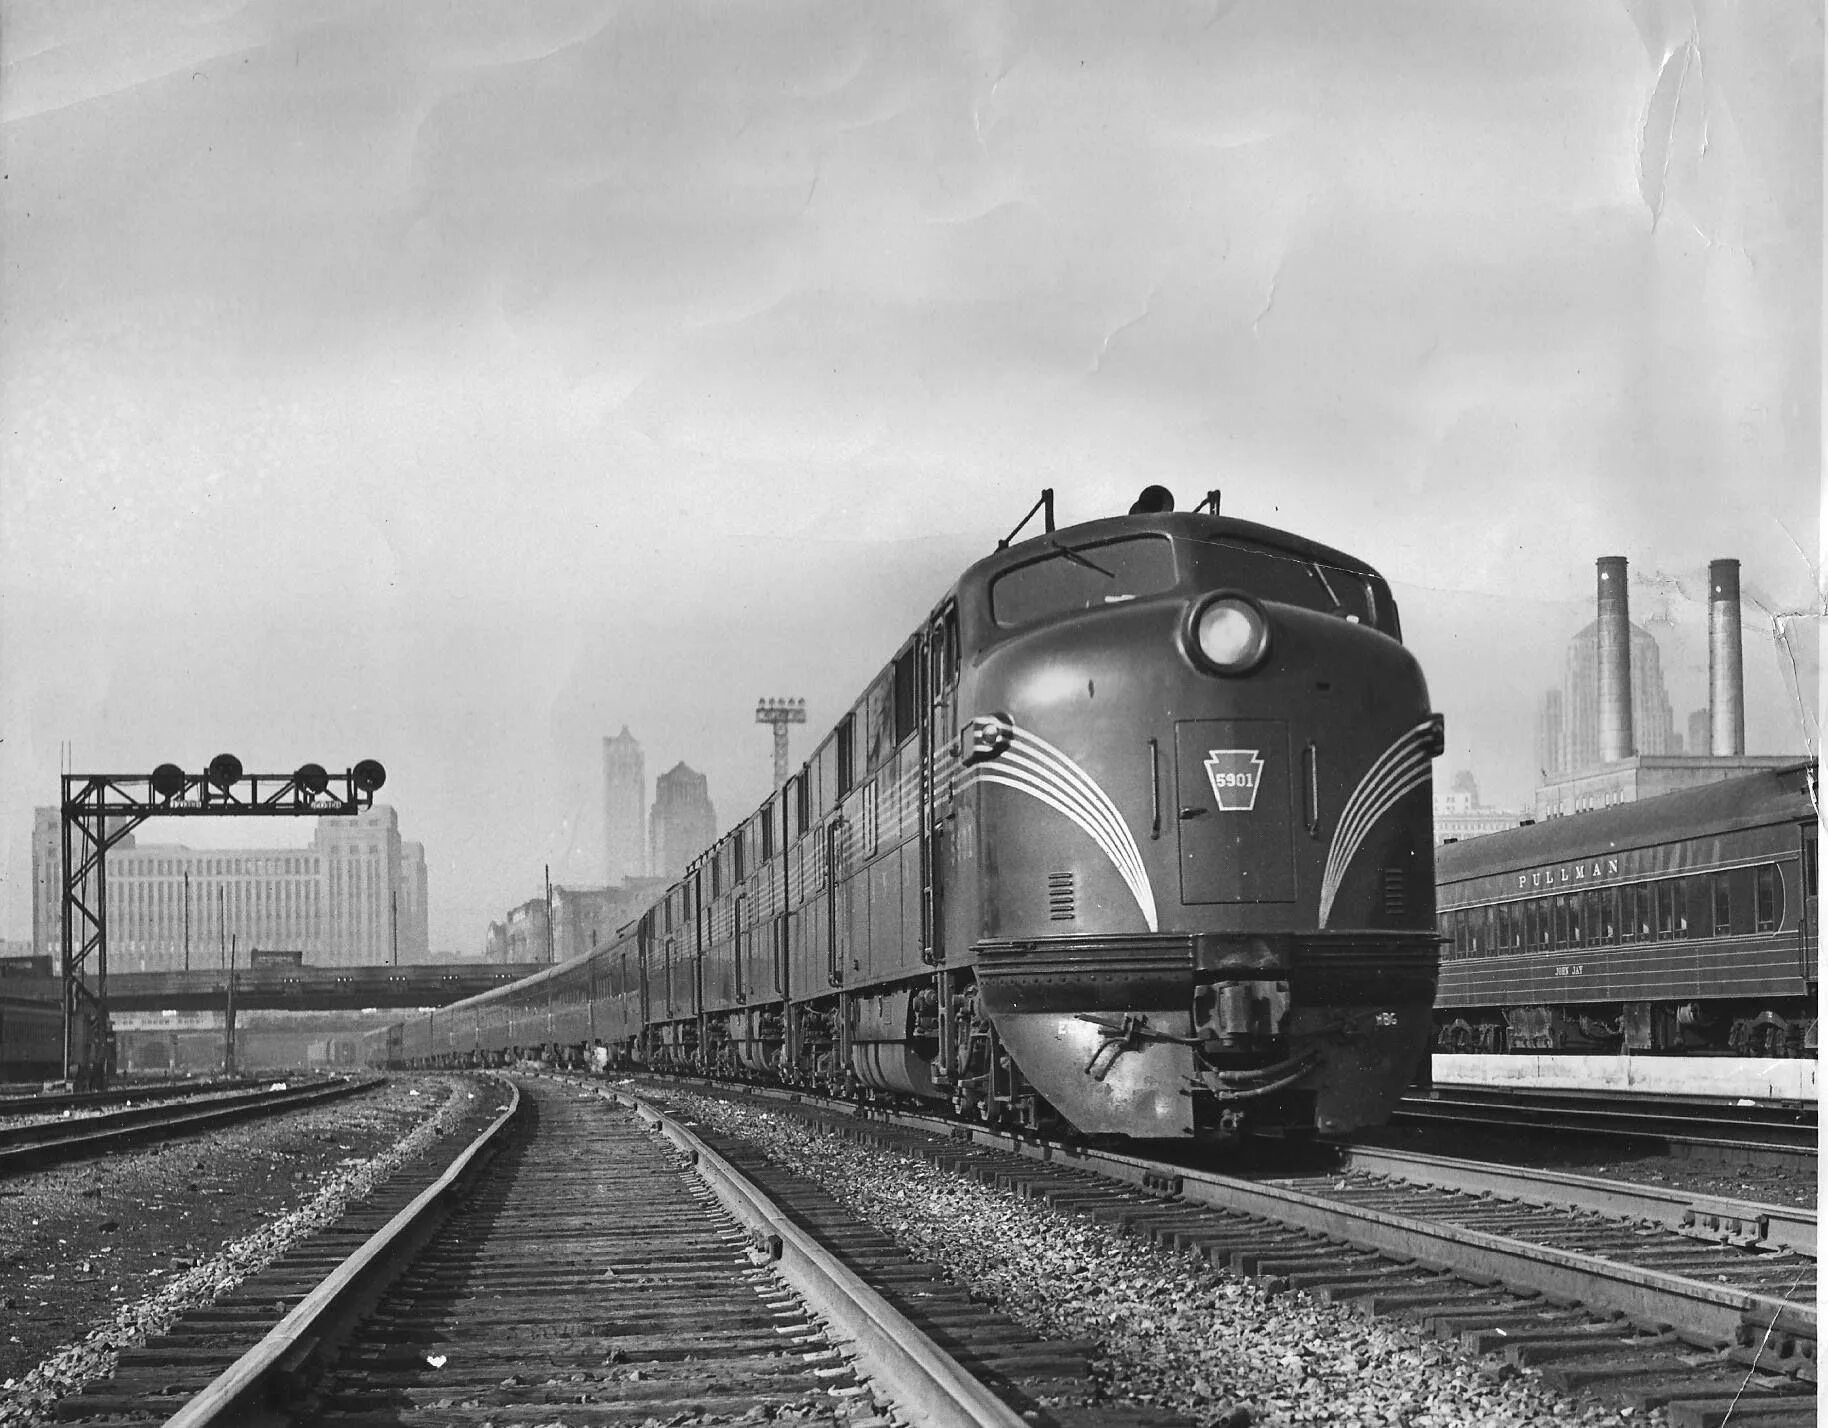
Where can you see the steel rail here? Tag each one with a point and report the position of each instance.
(32, 1147)
(1707, 1310)
(1711, 1217)
(247, 1390)
(893, 1350)
(1698, 1123)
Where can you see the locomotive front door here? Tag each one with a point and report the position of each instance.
(1232, 782)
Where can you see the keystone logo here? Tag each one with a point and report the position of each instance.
(1235, 775)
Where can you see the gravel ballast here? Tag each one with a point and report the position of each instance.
(99, 1256)
(1177, 1334)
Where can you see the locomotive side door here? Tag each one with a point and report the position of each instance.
(1233, 780)
(939, 725)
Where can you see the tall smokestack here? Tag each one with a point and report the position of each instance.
(1725, 660)
(1614, 662)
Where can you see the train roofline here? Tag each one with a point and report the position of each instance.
(1182, 524)
(1779, 795)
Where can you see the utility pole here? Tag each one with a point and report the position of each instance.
(780, 713)
(549, 956)
(393, 903)
(228, 1017)
(187, 919)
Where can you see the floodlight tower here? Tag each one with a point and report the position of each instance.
(780, 713)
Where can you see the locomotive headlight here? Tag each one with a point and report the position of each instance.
(1228, 634)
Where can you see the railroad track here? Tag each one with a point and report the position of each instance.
(1639, 1298)
(572, 1265)
(41, 1103)
(1780, 1133)
(36, 1144)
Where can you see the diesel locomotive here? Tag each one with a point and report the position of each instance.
(1679, 924)
(1134, 832)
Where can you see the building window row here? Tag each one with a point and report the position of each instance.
(218, 867)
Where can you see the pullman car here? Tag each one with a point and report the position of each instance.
(1682, 923)
(1134, 830)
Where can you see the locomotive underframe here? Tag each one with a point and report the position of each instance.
(1214, 1033)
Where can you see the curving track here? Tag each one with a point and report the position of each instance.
(574, 1266)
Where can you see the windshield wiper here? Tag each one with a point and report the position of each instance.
(1079, 559)
(1326, 585)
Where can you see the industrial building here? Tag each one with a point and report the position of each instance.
(1608, 758)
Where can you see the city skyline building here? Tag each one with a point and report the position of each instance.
(1460, 813)
(683, 822)
(625, 833)
(1699, 741)
(357, 896)
(1568, 718)
(569, 922)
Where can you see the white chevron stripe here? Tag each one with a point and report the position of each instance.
(1374, 803)
(1014, 774)
(1393, 765)
(1096, 812)
(1112, 819)
(1047, 796)
(1033, 766)
(1402, 768)
(1346, 849)
(1392, 776)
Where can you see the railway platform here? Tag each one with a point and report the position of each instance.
(1685, 1076)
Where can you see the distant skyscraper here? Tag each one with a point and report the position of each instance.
(1568, 727)
(624, 807)
(413, 920)
(1700, 739)
(1548, 733)
(683, 823)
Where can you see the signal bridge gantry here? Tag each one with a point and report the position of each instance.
(101, 809)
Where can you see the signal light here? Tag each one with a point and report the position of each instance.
(311, 779)
(1228, 634)
(224, 769)
(168, 780)
(369, 775)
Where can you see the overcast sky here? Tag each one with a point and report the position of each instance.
(456, 383)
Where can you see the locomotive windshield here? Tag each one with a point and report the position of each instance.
(1090, 575)
(1082, 577)
(1295, 580)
